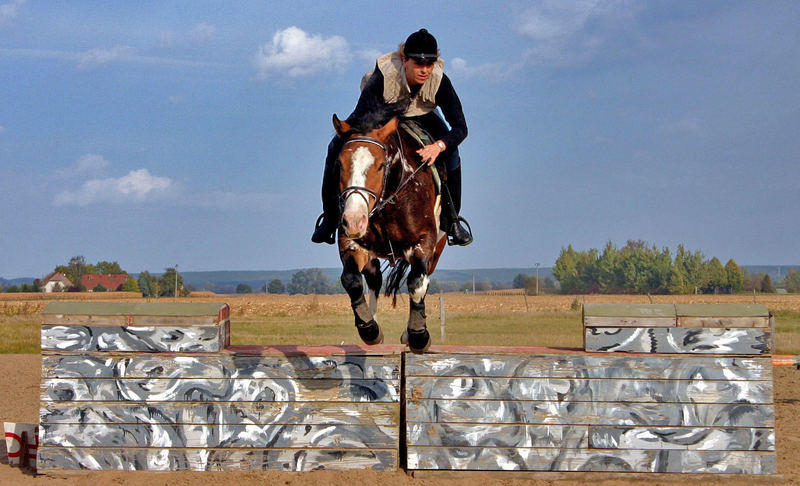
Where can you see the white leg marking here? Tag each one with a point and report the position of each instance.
(373, 302)
(419, 293)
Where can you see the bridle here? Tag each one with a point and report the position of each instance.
(380, 201)
(364, 192)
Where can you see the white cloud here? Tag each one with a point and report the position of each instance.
(491, 72)
(9, 10)
(2, 129)
(571, 33)
(100, 56)
(294, 53)
(88, 165)
(199, 34)
(690, 123)
(138, 185)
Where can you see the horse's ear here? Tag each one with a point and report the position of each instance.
(340, 126)
(388, 129)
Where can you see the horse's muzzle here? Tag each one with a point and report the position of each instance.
(355, 224)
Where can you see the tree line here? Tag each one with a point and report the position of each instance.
(642, 268)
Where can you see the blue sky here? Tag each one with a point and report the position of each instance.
(194, 133)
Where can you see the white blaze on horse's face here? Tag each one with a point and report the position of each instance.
(356, 208)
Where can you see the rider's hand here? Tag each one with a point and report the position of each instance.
(430, 152)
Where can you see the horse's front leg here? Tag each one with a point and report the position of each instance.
(416, 335)
(368, 328)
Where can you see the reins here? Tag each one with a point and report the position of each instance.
(380, 201)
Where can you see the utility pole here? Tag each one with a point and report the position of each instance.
(537, 278)
(176, 280)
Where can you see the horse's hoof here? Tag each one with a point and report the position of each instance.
(418, 340)
(370, 333)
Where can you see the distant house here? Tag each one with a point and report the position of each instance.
(55, 282)
(109, 282)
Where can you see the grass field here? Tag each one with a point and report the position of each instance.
(547, 320)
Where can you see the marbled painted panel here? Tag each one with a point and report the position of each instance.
(568, 412)
(221, 366)
(217, 389)
(689, 438)
(128, 338)
(230, 413)
(157, 459)
(747, 341)
(277, 436)
(588, 390)
(590, 366)
(498, 435)
(540, 459)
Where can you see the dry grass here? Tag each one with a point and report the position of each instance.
(546, 320)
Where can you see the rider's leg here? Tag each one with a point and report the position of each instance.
(456, 232)
(326, 225)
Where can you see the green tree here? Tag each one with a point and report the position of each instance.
(130, 285)
(766, 285)
(244, 289)
(275, 286)
(166, 283)
(792, 281)
(735, 277)
(99, 288)
(109, 268)
(690, 268)
(519, 281)
(715, 276)
(311, 281)
(148, 284)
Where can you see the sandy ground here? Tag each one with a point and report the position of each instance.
(19, 380)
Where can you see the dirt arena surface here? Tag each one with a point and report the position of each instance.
(20, 375)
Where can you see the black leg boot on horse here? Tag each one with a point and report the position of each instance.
(457, 234)
(328, 221)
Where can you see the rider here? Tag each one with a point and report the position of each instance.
(413, 78)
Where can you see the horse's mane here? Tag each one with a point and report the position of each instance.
(374, 118)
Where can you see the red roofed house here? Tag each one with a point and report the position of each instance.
(109, 282)
(55, 282)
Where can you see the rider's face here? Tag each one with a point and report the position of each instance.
(417, 73)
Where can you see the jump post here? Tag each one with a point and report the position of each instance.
(158, 387)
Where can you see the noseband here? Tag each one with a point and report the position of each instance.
(360, 190)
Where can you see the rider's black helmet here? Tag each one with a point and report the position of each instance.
(421, 46)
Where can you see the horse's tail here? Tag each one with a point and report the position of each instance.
(395, 279)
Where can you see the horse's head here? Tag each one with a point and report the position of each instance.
(363, 165)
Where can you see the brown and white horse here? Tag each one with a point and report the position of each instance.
(389, 210)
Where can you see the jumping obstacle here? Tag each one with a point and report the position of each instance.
(109, 402)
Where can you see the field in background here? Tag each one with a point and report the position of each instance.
(546, 320)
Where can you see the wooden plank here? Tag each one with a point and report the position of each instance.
(215, 389)
(319, 350)
(721, 310)
(127, 320)
(679, 340)
(275, 436)
(688, 438)
(590, 366)
(129, 338)
(629, 310)
(568, 412)
(183, 309)
(159, 459)
(220, 366)
(541, 459)
(233, 413)
(592, 321)
(589, 390)
(729, 322)
(497, 435)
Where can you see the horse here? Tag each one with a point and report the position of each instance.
(389, 209)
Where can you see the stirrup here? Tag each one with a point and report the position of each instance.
(463, 240)
(319, 236)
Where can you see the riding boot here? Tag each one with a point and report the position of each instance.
(325, 230)
(457, 234)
